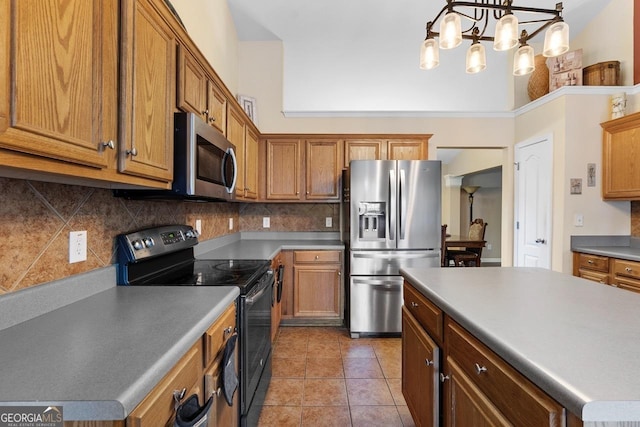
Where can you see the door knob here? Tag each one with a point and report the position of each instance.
(541, 241)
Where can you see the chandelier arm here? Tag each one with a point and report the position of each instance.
(451, 5)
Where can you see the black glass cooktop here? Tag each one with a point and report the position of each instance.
(241, 273)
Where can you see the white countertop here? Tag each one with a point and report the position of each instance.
(577, 340)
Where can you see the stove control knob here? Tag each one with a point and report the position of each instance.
(137, 245)
(148, 242)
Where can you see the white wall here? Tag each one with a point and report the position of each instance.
(209, 24)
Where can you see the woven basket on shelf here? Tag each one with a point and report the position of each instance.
(539, 80)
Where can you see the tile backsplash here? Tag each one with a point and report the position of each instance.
(635, 219)
(37, 217)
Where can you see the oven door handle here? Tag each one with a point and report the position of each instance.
(253, 298)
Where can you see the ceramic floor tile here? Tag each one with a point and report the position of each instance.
(324, 392)
(287, 367)
(356, 349)
(323, 349)
(326, 416)
(391, 367)
(405, 416)
(368, 392)
(324, 367)
(285, 391)
(361, 368)
(280, 416)
(292, 350)
(395, 386)
(375, 416)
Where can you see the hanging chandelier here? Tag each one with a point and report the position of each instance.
(478, 12)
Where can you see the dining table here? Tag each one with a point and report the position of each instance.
(457, 241)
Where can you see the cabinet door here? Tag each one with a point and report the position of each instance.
(235, 134)
(407, 150)
(420, 370)
(620, 153)
(251, 164)
(217, 107)
(324, 166)
(221, 413)
(465, 404)
(283, 169)
(52, 79)
(364, 149)
(147, 100)
(192, 84)
(316, 290)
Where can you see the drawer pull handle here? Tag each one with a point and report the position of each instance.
(178, 395)
(590, 261)
(628, 269)
(480, 369)
(428, 362)
(443, 377)
(414, 304)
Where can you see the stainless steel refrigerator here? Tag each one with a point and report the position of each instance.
(394, 222)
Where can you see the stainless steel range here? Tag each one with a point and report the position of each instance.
(163, 256)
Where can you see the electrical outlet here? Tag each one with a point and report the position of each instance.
(199, 226)
(488, 246)
(328, 222)
(578, 220)
(77, 246)
(230, 223)
(266, 222)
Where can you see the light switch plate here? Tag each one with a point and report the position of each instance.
(578, 220)
(328, 222)
(266, 222)
(230, 223)
(77, 246)
(199, 226)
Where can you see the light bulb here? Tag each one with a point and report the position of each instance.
(556, 39)
(476, 58)
(523, 61)
(506, 35)
(429, 54)
(450, 31)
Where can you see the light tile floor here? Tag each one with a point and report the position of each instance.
(322, 377)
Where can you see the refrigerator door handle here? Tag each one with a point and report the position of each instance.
(391, 209)
(402, 206)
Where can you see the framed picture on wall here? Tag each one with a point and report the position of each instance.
(565, 70)
(248, 104)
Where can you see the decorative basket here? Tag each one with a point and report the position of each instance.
(539, 80)
(602, 74)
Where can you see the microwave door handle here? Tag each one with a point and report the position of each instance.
(402, 205)
(231, 154)
(391, 209)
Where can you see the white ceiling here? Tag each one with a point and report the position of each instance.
(347, 47)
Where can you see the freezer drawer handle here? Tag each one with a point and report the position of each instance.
(386, 255)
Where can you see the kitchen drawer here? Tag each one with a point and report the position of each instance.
(594, 262)
(316, 256)
(158, 407)
(217, 334)
(626, 268)
(426, 313)
(522, 402)
(594, 276)
(626, 283)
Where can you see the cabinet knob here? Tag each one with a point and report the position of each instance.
(212, 119)
(628, 269)
(133, 152)
(480, 369)
(205, 112)
(307, 192)
(178, 395)
(428, 362)
(228, 330)
(414, 304)
(317, 257)
(108, 144)
(443, 377)
(590, 261)
(217, 392)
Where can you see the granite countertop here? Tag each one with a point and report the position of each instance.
(622, 247)
(577, 340)
(267, 245)
(100, 356)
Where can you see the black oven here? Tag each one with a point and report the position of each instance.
(164, 256)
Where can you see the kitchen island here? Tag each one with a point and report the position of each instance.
(575, 340)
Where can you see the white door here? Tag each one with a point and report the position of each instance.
(533, 178)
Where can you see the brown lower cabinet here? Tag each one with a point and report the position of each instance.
(619, 273)
(454, 373)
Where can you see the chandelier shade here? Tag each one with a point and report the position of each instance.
(508, 32)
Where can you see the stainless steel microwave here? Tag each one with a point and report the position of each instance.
(204, 164)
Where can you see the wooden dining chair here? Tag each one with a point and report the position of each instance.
(469, 257)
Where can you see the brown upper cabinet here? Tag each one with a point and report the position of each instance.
(198, 92)
(410, 147)
(245, 139)
(312, 164)
(620, 158)
(89, 92)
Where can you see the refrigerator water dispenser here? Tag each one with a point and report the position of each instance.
(372, 219)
